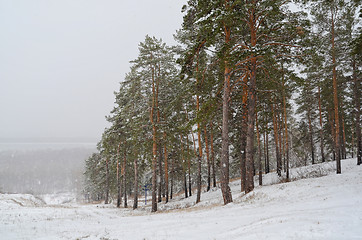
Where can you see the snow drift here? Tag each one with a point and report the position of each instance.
(326, 207)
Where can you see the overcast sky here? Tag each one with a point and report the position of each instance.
(61, 61)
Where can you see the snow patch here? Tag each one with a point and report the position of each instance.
(326, 206)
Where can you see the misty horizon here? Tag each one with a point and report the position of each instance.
(46, 140)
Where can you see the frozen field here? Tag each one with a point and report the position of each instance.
(328, 207)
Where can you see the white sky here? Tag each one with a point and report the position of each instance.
(61, 60)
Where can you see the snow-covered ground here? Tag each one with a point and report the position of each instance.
(328, 207)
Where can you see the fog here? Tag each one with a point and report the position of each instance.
(61, 61)
(43, 168)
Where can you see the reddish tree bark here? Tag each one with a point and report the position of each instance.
(244, 125)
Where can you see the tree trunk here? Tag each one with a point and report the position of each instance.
(267, 153)
(335, 99)
(259, 152)
(344, 151)
(286, 129)
(280, 131)
(160, 172)
(154, 146)
(212, 155)
(276, 139)
(244, 125)
(125, 178)
(224, 163)
(119, 186)
(189, 167)
(107, 182)
(166, 167)
(184, 167)
(189, 156)
(249, 160)
(266, 162)
(357, 102)
(154, 169)
(199, 156)
(160, 155)
(208, 160)
(135, 199)
(185, 185)
(171, 179)
(321, 124)
(352, 152)
(331, 120)
(311, 135)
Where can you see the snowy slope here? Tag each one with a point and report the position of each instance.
(328, 207)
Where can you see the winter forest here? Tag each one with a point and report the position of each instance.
(252, 87)
(244, 124)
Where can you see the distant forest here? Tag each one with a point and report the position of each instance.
(42, 171)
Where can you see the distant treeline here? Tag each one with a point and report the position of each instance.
(42, 171)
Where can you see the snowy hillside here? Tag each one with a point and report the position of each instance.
(328, 207)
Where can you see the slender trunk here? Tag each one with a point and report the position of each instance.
(264, 149)
(321, 124)
(166, 167)
(160, 173)
(184, 167)
(185, 185)
(286, 129)
(344, 151)
(119, 186)
(276, 139)
(107, 182)
(224, 163)
(267, 154)
(282, 137)
(287, 147)
(280, 127)
(208, 160)
(266, 145)
(189, 156)
(311, 135)
(352, 150)
(135, 199)
(189, 168)
(125, 178)
(357, 101)
(331, 120)
(335, 99)
(160, 155)
(199, 156)
(259, 151)
(212, 155)
(154, 169)
(171, 179)
(154, 147)
(249, 158)
(244, 125)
